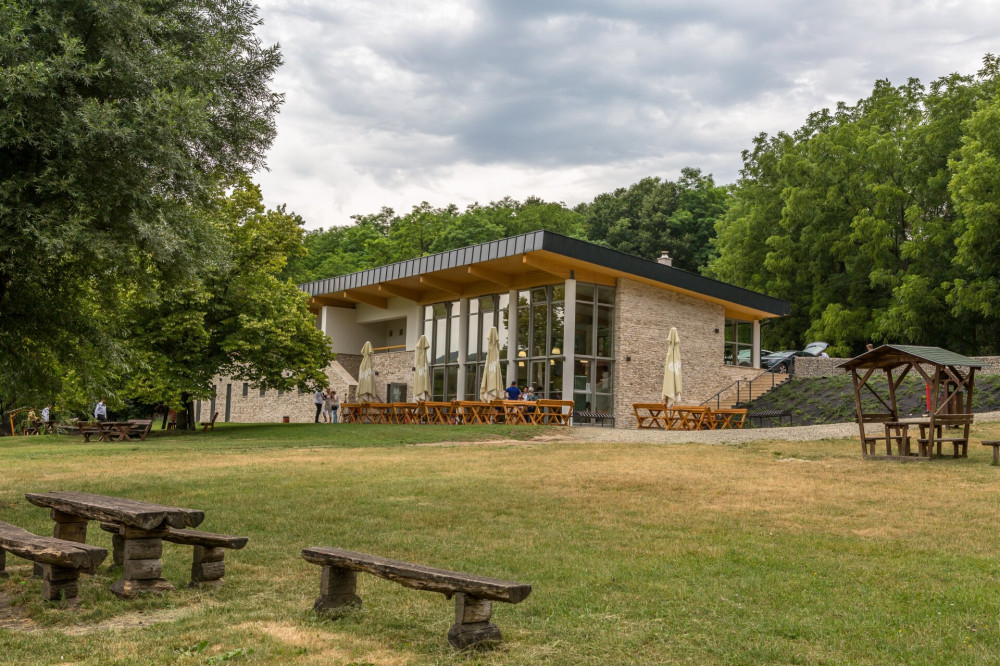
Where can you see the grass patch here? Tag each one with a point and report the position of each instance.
(770, 552)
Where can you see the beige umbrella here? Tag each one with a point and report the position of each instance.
(421, 382)
(491, 386)
(366, 377)
(672, 369)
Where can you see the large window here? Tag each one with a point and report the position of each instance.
(485, 312)
(593, 347)
(540, 351)
(441, 329)
(739, 343)
(441, 326)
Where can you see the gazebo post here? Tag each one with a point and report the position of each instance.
(861, 415)
(892, 394)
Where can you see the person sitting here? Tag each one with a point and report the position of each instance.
(529, 396)
(513, 393)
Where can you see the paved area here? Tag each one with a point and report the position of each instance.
(787, 433)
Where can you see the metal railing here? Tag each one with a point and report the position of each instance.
(384, 350)
(747, 393)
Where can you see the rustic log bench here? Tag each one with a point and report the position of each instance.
(143, 527)
(209, 564)
(61, 561)
(474, 595)
(996, 450)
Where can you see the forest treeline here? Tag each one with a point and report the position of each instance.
(879, 221)
(137, 260)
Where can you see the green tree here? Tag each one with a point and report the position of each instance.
(655, 215)
(116, 119)
(242, 320)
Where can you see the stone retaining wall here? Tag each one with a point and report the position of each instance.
(827, 367)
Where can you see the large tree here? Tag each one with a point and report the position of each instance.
(240, 320)
(117, 118)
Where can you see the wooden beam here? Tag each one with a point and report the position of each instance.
(448, 286)
(368, 299)
(402, 292)
(325, 300)
(496, 277)
(556, 269)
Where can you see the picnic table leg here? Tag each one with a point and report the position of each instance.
(59, 582)
(337, 589)
(141, 563)
(472, 622)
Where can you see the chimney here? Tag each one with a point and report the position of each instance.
(665, 259)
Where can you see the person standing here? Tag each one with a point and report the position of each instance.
(327, 406)
(101, 411)
(513, 393)
(318, 401)
(46, 414)
(334, 406)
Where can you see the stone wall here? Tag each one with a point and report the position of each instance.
(827, 367)
(299, 407)
(643, 317)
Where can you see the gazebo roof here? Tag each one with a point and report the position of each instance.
(890, 356)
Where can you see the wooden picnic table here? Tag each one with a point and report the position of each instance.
(143, 526)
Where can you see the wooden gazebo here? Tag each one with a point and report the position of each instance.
(950, 378)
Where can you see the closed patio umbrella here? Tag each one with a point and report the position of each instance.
(366, 376)
(672, 369)
(421, 382)
(491, 387)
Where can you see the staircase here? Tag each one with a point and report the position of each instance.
(745, 390)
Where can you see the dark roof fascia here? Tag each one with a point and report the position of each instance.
(557, 244)
(920, 354)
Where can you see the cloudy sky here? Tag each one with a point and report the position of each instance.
(395, 102)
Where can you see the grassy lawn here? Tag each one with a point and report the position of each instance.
(770, 552)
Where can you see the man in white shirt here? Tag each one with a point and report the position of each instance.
(101, 411)
(45, 413)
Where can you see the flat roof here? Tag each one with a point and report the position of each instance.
(520, 262)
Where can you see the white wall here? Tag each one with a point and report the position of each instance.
(350, 328)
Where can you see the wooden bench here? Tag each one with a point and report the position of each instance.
(209, 564)
(689, 417)
(139, 429)
(209, 425)
(929, 439)
(552, 412)
(88, 430)
(728, 418)
(996, 450)
(473, 594)
(650, 414)
(61, 561)
(868, 441)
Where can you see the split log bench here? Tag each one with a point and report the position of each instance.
(996, 450)
(61, 561)
(143, 526)
(209, 564)
(474, 595)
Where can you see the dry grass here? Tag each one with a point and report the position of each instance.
(777, 552)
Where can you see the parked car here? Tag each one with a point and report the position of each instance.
(784, 361)
(745, 357)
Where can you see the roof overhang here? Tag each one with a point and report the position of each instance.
(521, 262)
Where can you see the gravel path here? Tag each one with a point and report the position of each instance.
(787, 433)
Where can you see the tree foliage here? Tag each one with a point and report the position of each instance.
(878, 220)
(117, 118)
(240, 320)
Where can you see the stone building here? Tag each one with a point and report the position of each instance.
(576, 320)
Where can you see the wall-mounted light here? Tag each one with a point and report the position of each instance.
(413, 369)
(716, 331)
(376, 373)
(628, 358)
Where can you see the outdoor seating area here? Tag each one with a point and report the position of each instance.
(461, 412)
(949, 379)
(115, 431)
(658, 416)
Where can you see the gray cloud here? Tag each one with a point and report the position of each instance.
(419, 94)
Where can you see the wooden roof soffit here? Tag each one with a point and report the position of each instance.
(553, 268)
(400, 291)
(446, 286)
(368, 299)
(320, 301)
(490, 275)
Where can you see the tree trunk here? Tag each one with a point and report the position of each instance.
(166, 414)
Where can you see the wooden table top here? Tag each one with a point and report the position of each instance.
(132, 513)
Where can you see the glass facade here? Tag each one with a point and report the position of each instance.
(738, 343)
(593, 348)
(539, 338)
